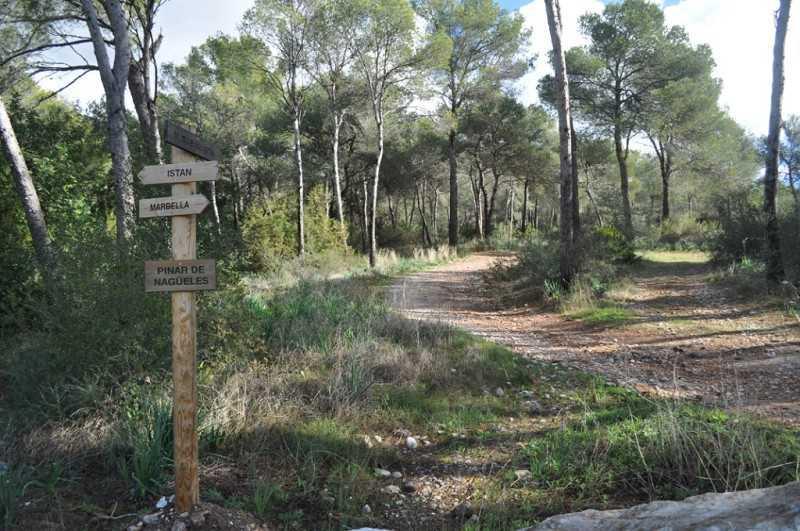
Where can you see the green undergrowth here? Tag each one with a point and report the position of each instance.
(303, 389)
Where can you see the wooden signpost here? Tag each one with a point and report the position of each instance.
(160, 207)
(182, 276)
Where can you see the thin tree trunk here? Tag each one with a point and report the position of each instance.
(215, 207)
(23, 183)
(373, 247)
(576, 204)
(298, 157)
(774, 259)
(452, 225)
(365, 225)
(525, 206)
(622, 162)
(146, 110)
(337, 125)
(566, 259)
(426, 235)
(114, 79)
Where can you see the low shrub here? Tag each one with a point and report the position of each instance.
(270, 230)
(662, 450)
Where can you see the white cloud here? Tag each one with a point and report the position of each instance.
(184, 23)
(540, 45)
(741, 34)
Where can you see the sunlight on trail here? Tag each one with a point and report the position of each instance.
(669, 257)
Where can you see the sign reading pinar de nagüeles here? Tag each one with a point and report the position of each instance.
(180, 275)
(159, 207)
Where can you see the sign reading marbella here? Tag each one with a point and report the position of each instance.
(182, 276)
(172, 206)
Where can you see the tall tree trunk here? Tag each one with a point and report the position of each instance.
(298, 158)
(452, 225)
(774, 259)
(565, 137)
(525, 205)
(576, 204)
(146, 110)
(426, 235)
(23, 183)
(373, 242)
(215, 207)
(114, 78)
(622, 162)
(337, 184)
(365, 215)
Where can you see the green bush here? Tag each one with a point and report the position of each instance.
(660, 450)
(609, 243)
(686, 233)
(270, 229)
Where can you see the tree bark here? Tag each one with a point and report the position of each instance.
(576, 205)
(373, 242)
(774, 259)
(565, 137)
(624, 180)
(114, 78)
(298, 158)
(23, 183)
(452, 225)
(337, 183)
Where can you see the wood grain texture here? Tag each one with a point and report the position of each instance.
(184, 356)
(163, 207)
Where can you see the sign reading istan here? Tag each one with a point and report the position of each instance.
(160, 207)
(180, 275)
(187, 172)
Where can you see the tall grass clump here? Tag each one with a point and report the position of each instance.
(662, 450)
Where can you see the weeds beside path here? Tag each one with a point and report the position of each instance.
(682, 334)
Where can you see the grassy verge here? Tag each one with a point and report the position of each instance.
(305, 388)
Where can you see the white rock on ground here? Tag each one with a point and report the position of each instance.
(770, 509)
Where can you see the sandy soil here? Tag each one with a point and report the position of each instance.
(690, 337)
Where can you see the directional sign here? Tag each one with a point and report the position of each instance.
(175, 135)
(187, 172)
(162, 207)
(180, 275)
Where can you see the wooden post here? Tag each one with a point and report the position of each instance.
(184, 355)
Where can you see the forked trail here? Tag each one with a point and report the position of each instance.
(687, 336)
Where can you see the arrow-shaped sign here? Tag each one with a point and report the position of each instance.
(187, 172)
(160, 207)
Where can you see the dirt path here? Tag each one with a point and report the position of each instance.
(687, 337)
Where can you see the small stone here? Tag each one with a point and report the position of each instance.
(135, 527)
(162, 502)
(366, 509)
(526, 394)
(499, 392)
(368, 441)
(411, 443)
(534, 407)
(462, 511)
(522, 475)
(328, 499)
(382, 473)
(378, 438)
(391, 489)
(152, 519)
(183, 515)
(179, 525)
(198, 518)
(409, 487)
(397, 475)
